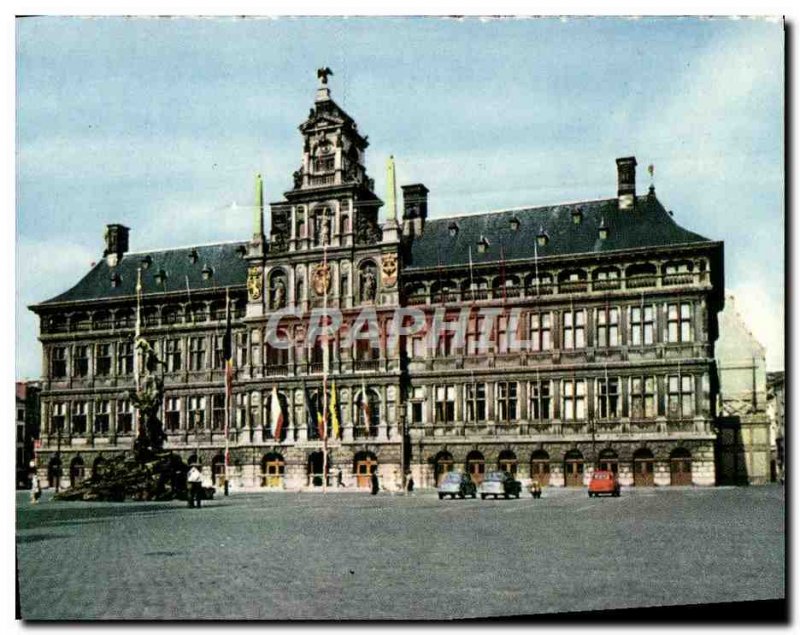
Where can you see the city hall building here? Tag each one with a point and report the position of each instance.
(616, 302)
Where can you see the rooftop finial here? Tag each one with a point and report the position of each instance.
(391, 190)
(323, 92)
(322, 75)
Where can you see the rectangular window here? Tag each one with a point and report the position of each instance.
(172, 414)
(679, 322)
(574, 329)
(219, 352)
(196, 411)
(58, 363)
(503, 333)
(474, 328)
(101, 417)
(642, 325)
(218, 412)
(608, 398)
(540, 331)
(506, 401)
(540, 400)
(680, 396)
(124, 417)
(80, 363)
(643, 397)
(573, 400)
(241, 349)
(476, 402)
(58, 418)
(103, 360)
(240, 408)
(607, 327)
(445, 404)
(173, 354)
(197, 353)
(124, 358)
(79, 417)
(417, 404)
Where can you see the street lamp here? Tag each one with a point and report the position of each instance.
(57, 467)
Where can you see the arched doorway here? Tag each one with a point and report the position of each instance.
(476, 466)
(365, 464)
(442, 464)
(98, 466)
(507, 462)
(218, 470)
(643, 468)
(316, 464)
(573, 469)
(77, 471)
(680, 467)
(540, 467)
(608, 460)
(272, 470)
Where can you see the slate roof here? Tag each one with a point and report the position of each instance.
(649, 225)
(229, 269)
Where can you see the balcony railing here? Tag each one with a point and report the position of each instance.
(575, 286)
(606, 285)
(366, 364)
(672, 279)
(638, 282)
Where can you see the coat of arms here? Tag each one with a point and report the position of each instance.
(389, 270)
(321, 279)
(254, 283)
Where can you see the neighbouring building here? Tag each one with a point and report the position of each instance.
(743, 441)
(27, 417)
(776, 413)
(618, 304)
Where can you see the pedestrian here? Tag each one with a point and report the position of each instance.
(339, 479)
(36, 488)
(374, 482)
(195, 481)
(410, 484)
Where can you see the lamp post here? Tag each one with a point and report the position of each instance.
(57, 469)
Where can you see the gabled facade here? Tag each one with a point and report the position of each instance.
(616, 306)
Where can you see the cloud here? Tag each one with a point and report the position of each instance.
(764, 316)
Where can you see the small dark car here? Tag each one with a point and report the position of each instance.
(500, 484)
(457, 484)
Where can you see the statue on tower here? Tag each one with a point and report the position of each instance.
(322, 75)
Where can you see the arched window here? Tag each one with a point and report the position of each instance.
(77, 471)
(540, 467)
(442, 464)
(97, 466)
(680, 467)
(367, 414)
(641, 274)
(608, 460)
(507, 462)
(573, 468)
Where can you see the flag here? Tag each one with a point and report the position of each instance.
(321, 431)
(227, 350)
(311, 417)
(365, 409)
(334, 416)
(276, 414)
(137, 334)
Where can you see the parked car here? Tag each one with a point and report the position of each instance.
(457, 484)
(603, 482)
(500, 484)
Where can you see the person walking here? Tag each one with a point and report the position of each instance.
(410, 484)
(374, 482)
(36, 488)
(195, 481)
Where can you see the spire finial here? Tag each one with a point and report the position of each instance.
(322, 75)
(391, 190)
(258, 218)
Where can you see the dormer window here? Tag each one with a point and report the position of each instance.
(542, 238)
(193, 256)
(453, 228)
(241, 251)
(146, 262)
(603, 229)
(207, 272)
(160, 276)
(116, 279)
(577, 216)
(483, 245)
(514, 223)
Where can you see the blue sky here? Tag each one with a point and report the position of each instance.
(161, 123)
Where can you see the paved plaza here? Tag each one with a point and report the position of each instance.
(349, 555)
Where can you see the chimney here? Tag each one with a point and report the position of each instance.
(626, 182)
(116, 237)
(415, 209)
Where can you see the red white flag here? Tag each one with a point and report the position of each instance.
(276, 414)
(365, 406)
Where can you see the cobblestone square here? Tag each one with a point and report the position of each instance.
(349, 555)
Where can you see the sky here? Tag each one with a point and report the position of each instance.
(162, 124)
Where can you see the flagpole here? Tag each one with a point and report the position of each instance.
(325, 362)
(228, 382)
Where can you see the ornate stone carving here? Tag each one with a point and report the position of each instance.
(321, 278)
(278, 293)
(255, 280)
(389, 270)
(368, 285)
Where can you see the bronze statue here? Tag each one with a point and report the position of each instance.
(147, 398)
